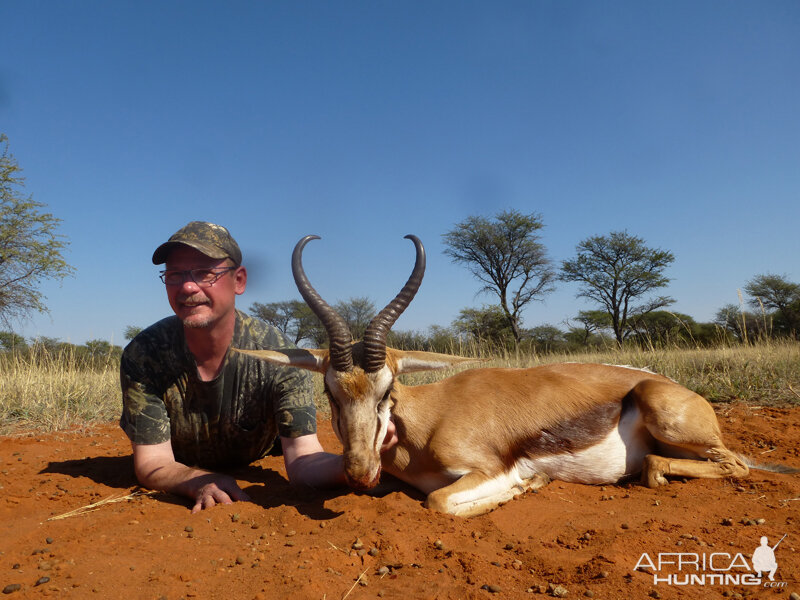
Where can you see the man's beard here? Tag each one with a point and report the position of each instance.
(194, 323)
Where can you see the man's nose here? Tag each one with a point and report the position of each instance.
(189, 285)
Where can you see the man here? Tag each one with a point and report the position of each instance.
(189, 400)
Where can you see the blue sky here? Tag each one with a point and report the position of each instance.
(362, 121)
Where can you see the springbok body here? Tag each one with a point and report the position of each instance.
(583, 423)
(475, 440)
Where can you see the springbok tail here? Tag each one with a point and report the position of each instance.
(771, 467)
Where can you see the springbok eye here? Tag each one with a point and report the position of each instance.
(330, 396)
(382, 404)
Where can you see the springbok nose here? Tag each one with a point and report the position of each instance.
(355, 464)
(360, 471)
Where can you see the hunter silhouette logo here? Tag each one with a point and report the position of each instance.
(714, 568)
(764, 558)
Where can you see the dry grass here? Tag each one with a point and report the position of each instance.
(767, 373)
(82, 510)
(52, 391)
(57, 391)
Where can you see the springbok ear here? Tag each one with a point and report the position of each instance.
(411, 361)
(311, 360)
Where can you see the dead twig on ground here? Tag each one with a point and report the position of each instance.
(337, 547)
(96, 505)
(355, 584)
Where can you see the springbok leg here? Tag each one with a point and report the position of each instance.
(686, 428)
(476, 493)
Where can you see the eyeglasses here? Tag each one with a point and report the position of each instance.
(202, 277)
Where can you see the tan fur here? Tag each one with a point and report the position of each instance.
(354, 383)
(479, 421)
(391, 359)
(474, 440)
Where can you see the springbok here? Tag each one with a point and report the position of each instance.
(477, 439)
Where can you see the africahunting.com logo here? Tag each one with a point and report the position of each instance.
(715, 568)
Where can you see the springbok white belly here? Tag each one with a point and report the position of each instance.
(620, 454)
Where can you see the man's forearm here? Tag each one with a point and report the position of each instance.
(156, 468)
(317, 470)
(175, 478)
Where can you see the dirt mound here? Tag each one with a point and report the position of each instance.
(580, 540)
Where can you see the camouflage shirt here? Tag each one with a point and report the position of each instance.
(232, 420)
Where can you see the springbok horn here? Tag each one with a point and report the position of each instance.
(378, 328)
(338, 332)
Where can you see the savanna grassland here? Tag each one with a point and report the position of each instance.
(49, 391)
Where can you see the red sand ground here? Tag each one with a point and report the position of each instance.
(303, 544)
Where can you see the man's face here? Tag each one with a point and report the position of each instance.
(198, 305)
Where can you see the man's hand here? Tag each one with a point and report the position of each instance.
(216, 489)
(391, 437)
(157, 469)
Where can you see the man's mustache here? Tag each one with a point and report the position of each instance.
(193, 299)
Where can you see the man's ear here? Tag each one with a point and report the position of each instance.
(240, 280)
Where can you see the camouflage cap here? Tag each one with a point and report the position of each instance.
(212, 240)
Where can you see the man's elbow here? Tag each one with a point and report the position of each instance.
(296, 473)
(149, 473)
(144, 477)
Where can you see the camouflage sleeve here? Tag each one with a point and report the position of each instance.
(294, 403)
(144, 415)
(291, 389)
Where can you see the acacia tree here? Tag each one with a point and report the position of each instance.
(131, 331)
(357, 313)
(294, 319)
(591, 321)
(505, 254)
(30, 248)
(97, 348)
(485, 324)
(307, 326)
(616, 270)
(739, 323)
(777, 293)
(663, 327)
(277, 314)
(12, 341)
(298, 322)
(546, 338)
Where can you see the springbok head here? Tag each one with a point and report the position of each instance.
(359, 376)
